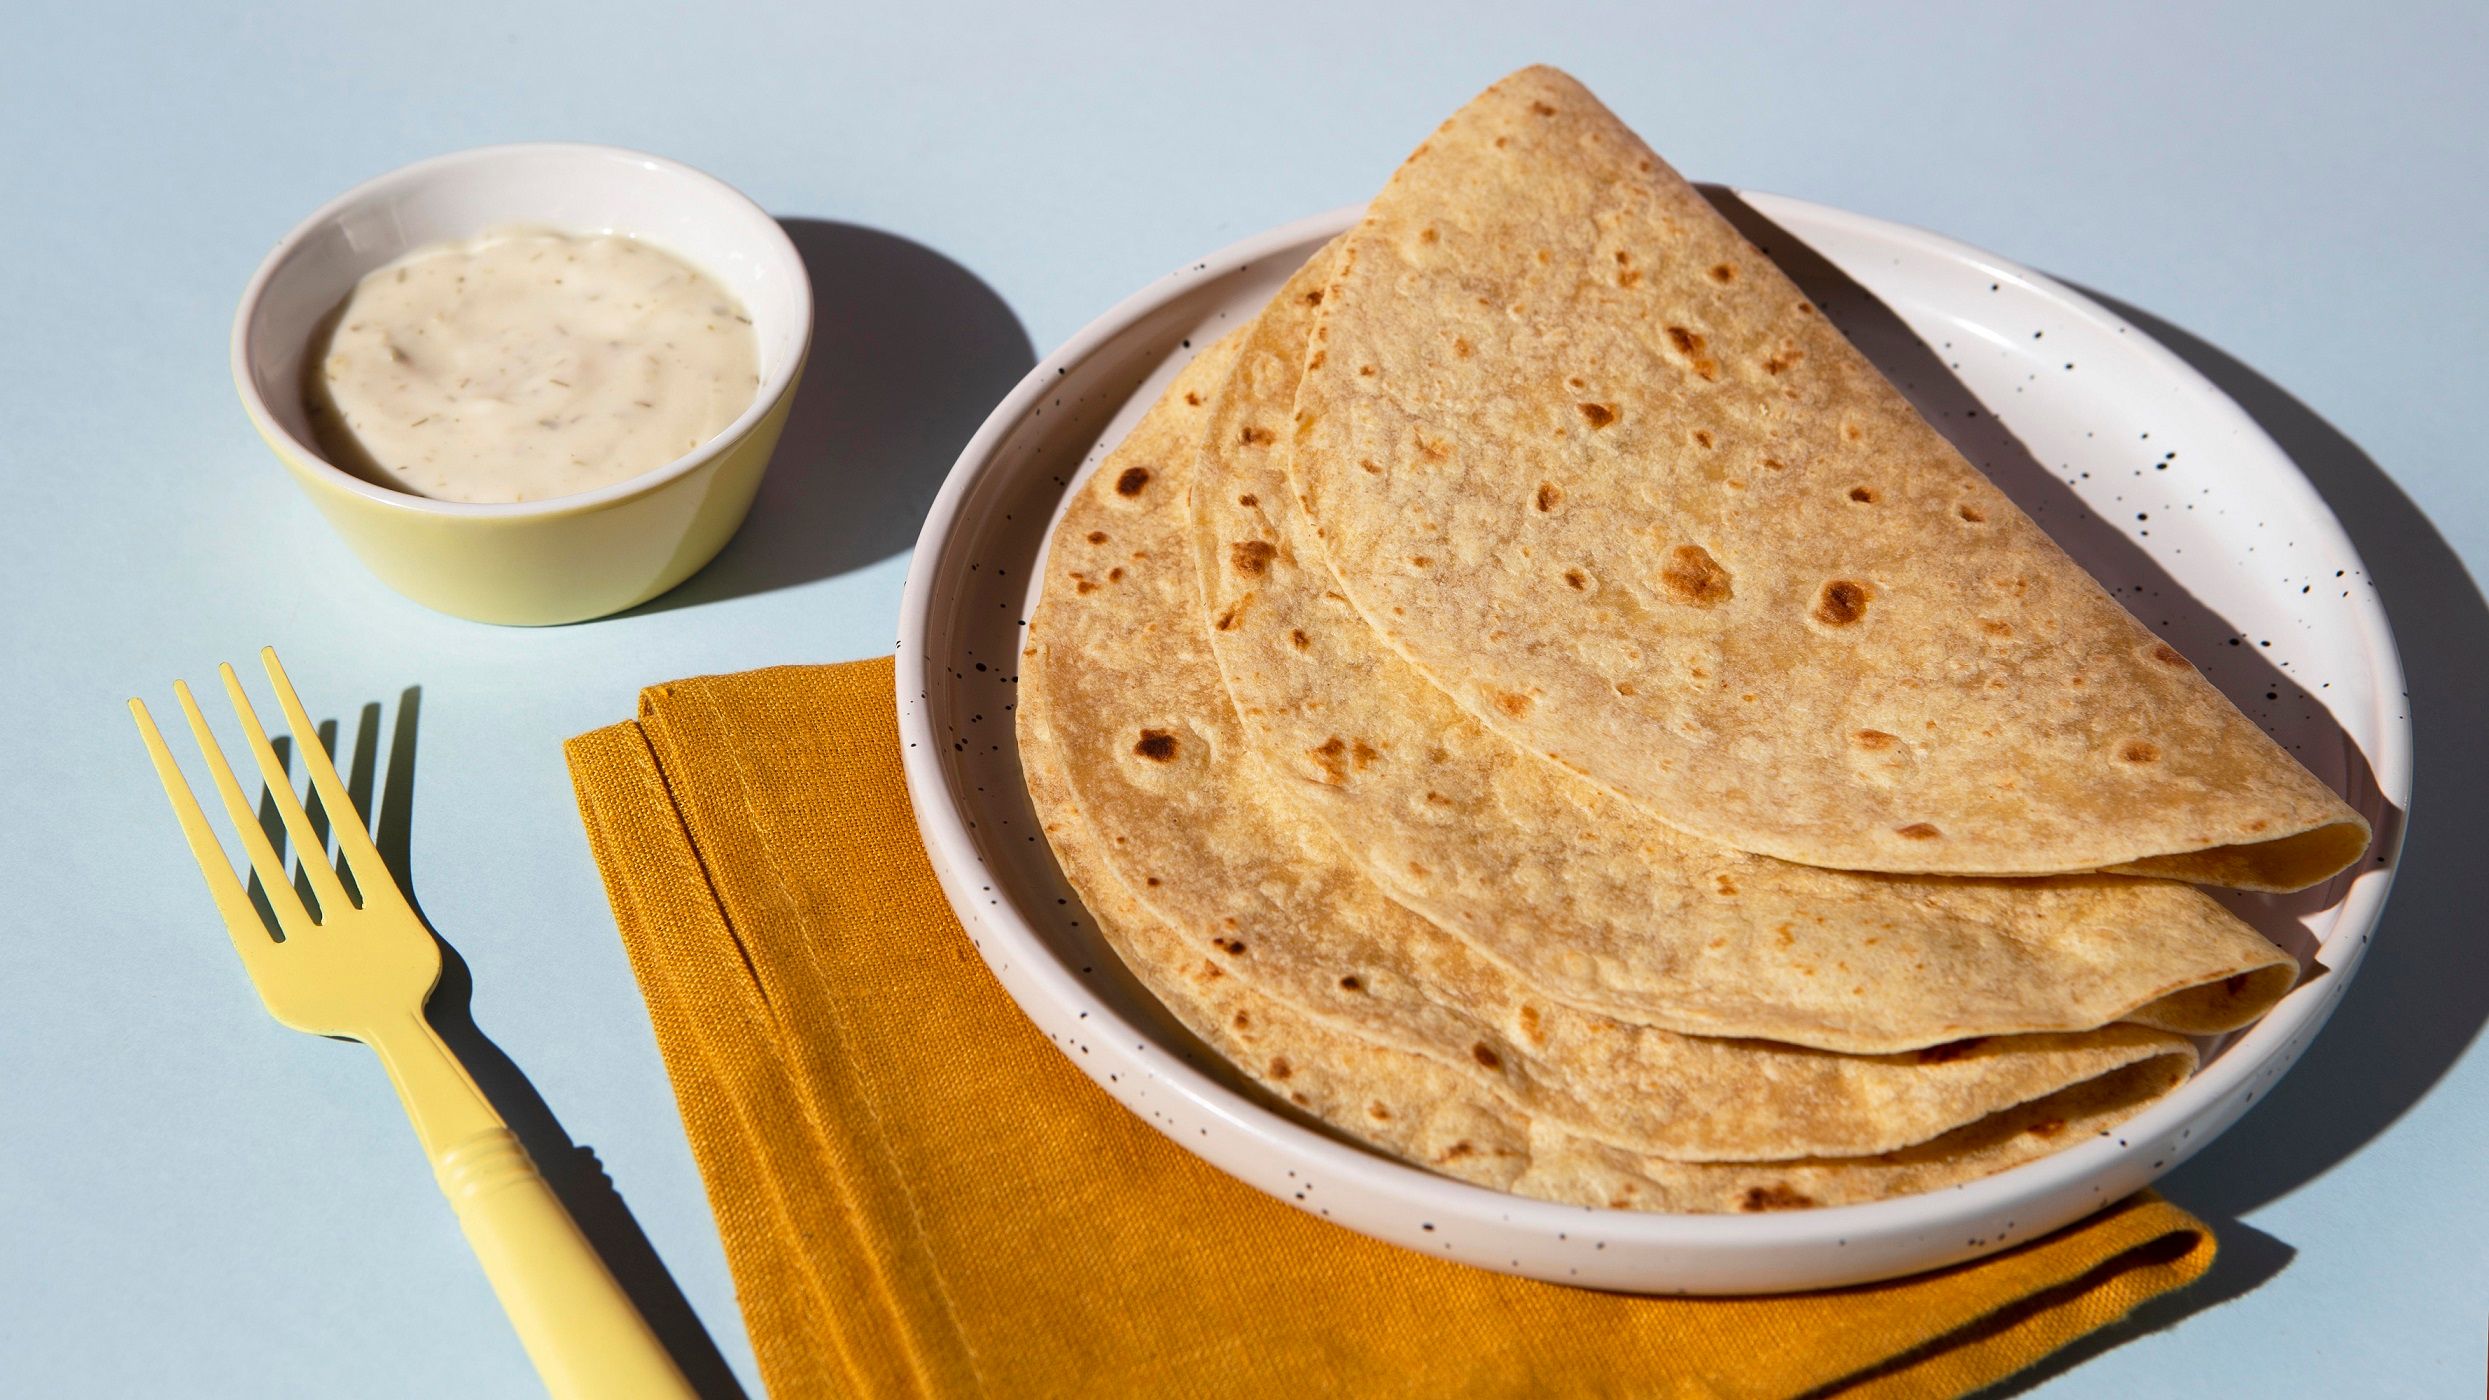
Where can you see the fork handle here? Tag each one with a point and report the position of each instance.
(577, 1324)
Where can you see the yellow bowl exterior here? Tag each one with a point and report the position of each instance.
(555, 565)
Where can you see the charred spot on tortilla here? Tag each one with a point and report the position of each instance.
(1691, 345)
(1693, 577)
(1842, 602)
(1251, 558)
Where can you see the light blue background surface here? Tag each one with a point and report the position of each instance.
(195, 1201)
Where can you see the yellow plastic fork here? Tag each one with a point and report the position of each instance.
(363, 969)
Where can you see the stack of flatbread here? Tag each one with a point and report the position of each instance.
(1540, 702)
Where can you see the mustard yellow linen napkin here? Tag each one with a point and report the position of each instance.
(919, 1195)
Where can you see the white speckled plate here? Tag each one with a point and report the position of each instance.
(2147, 473)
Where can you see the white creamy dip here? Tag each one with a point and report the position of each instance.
(527, 364)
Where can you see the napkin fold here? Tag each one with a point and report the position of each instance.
(918, 1194)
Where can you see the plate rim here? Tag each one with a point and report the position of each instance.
(1009, 944)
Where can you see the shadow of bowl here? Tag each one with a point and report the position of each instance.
(910, 350)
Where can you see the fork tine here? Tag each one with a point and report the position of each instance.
(307, 843)
(241, 919)
(354, 838)
(292, 915)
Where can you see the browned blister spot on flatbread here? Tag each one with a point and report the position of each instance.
(1338, 757)
(1842, 602)
(1693, 348)
(1251, 558)
(1693, 577)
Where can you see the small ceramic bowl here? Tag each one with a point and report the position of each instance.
(567, 558)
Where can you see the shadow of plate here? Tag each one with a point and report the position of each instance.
(2423, 991)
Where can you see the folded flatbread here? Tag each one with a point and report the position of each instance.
(1594, 466)
(1120, 701)
(1422, 1112)
(1588, 897)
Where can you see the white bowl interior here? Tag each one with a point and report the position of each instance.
(2222, 547)
(574, 189)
